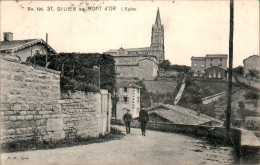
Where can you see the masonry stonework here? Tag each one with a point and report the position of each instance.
(81, 114)
(29, 101)
(32, 107)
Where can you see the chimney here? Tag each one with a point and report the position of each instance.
(8, 36)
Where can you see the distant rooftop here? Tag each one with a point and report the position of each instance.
(160, 86)
(15, 45)
(127, 84)
(210, 56)
(180, 115)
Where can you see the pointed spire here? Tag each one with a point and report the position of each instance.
(158, 19)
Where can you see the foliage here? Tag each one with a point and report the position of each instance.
(145, 95)
(251, 95)
(166, 65)
(253, 73)
(238, 70)
(78, 70)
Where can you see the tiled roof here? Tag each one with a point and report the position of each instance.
(15, 45)
(8, 45)
(127, 84)
(130, 49)
(180, 115)
(133, 55)
(138, 49)
(252, 56)
(160, 86)
(198, 58)
(216, 56)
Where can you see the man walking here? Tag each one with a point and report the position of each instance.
(143, 118)
(128, 119)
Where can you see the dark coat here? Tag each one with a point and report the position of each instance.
(127, 118)
(143, 116)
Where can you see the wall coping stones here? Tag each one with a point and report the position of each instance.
(248, 138)
(15, 60)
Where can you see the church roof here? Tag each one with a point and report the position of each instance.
(130, 50)
(138, 49)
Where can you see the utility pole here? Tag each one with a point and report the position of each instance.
(115, 96)
(47, 49)
(229, 99)
(99, 79)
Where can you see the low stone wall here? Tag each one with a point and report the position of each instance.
(249, 147)
(212, 98)
(29, 102)
(81, 114)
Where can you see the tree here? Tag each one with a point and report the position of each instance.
(251, 95)
(253, 73)
(77, 71)
(166, 65)
(238, 70)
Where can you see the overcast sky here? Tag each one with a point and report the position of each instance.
(191, 28)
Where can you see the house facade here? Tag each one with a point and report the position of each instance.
(141, 63)
(217, 63)
(215, 72)
(128, 98)
(251, 63)
(143, 67)
(24, 48)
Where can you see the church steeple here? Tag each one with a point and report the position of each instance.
(158, 18)
(157, 39)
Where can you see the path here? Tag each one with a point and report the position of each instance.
(134, 149)
(179, 94)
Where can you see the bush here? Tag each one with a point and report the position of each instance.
(251, 96)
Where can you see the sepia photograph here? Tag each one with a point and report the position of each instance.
(126, 82)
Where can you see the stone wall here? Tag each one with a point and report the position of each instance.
(29, 102)
(32, 108)
(85, 115)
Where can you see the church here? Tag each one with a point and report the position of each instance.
(141, 63)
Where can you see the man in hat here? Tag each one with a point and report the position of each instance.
(143, 118)
(128, 119)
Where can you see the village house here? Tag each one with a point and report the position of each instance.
(213, 66)
(24, 48)
(128, 98)
(141, 63)
(251, 63)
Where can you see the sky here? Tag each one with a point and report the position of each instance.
(191, 28)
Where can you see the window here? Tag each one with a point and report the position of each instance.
(195, 64)
(211, 64)
(220, 64)
(221, 59)
(125, 99)
(202, 66)
(211, 59)
(138, 99)
(125, 89)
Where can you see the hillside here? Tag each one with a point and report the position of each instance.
(160, 86)
(197, 89)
